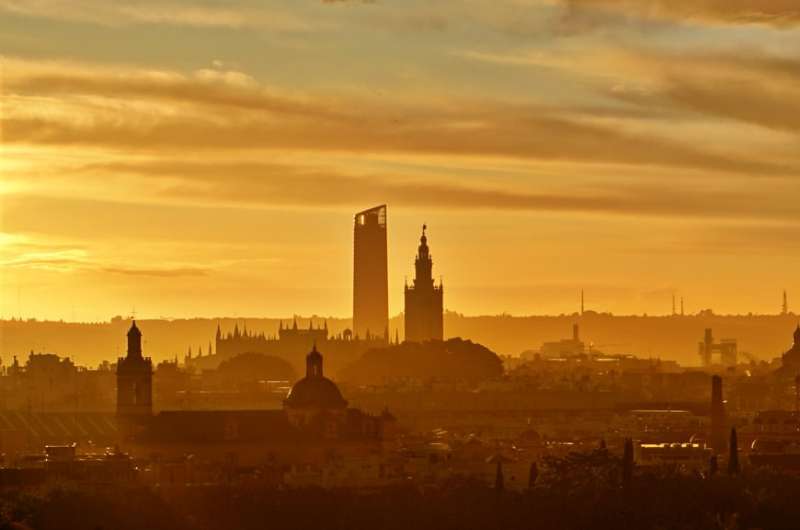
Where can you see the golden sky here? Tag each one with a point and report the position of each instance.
(205, 158)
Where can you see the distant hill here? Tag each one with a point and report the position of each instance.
(450, 360)
(668, 337)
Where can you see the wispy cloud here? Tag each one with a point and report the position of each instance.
(151, 12)
(166, 110)
(779, 13)
(746, 86)
(162, 273)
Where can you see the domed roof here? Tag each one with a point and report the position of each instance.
(315, 390)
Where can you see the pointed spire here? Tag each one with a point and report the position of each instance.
(294, 326)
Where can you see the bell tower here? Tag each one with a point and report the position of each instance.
(424, 299)
(134, 380)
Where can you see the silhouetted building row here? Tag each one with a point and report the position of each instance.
(315, 417)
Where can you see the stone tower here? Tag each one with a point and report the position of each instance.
(424, 299)
(134, 380)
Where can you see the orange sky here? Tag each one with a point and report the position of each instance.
(201, 158)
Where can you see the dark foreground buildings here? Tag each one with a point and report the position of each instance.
(424, 299)
(370, 274)
(315, 420)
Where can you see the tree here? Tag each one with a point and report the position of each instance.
(533, 474)
(713, 466)
(733, 457)
(627, 464)
(499, 482)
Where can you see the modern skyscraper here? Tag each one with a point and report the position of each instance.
(370, 274)
(424, 299)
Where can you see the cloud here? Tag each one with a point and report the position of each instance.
(778, 13)
(742, 85)
(163, 111)
(243, 184)
(27, 252)
(156, 12)
(161, 273)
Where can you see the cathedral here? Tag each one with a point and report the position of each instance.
(424, 299)
(315, 420)
(289, 344)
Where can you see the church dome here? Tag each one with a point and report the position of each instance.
(314, 390)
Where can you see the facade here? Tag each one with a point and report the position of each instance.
(370, 274)
(424, 300)
(134, 380)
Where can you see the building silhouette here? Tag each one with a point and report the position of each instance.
(790, 361)
(315, 398)
(726, 351)
(134, 380)
(370, 274)
(314, 421)
(424, 300)
(718, 432)
(289, 343)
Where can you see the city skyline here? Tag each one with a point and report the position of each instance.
(226, 228)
